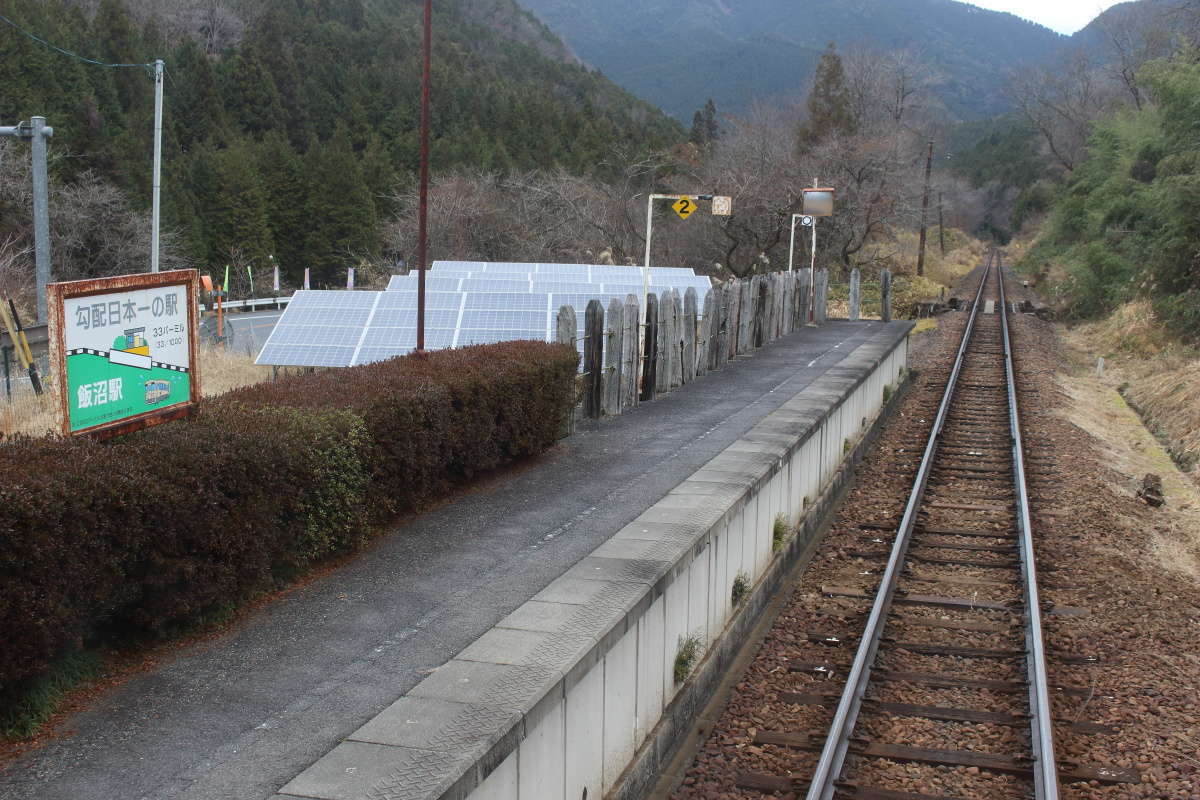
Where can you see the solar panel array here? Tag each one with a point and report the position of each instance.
(465, 303)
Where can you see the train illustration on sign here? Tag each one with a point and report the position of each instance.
(157, 391)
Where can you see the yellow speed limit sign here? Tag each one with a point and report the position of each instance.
(684, 207)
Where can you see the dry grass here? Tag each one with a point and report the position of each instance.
(224, 370)
(1158, 374)
(1131, 451)
(220, 371)
(1134, 332)
(29, 414)
(963, 254)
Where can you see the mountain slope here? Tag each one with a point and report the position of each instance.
(289, 124)
(677, 54)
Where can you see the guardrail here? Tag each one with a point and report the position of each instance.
(249, 305)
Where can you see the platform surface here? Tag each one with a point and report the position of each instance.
(241, 715)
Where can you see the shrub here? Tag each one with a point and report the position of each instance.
(741, 588)
(438, 420)
(686, 656)
(165, 528)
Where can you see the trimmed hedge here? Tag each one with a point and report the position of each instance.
(157, 531)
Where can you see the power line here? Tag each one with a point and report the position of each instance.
(55, 47)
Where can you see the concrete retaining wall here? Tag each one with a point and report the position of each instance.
(573, 695)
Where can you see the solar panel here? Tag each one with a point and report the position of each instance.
(465, 303)
(331, 298)
(505, 319)
(619, 289)
(433, 300)
(407, 318)
(305, 355)
(500, 301)
(433, 283)
(325, 335)
(483, 284)
(546, 284)
(323, 315)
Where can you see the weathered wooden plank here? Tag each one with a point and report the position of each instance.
(650, 351)
(662, 374)
(565, 329)
(821, 309)
(690, 335)
(920, 599)
(745, 317)
(630, 347)
(871, 793)
(763, 783)
(885, 295)
(613, 343)
(593, 359)
(855, 295)
(676, 339)
(704, 333)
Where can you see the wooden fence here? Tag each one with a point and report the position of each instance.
(685, 336)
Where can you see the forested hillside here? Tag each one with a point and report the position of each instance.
(678, 54)
(290, 126)
(1125, 223)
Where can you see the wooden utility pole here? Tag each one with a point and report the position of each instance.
(423, 213)
(941, 226)
(924, 213)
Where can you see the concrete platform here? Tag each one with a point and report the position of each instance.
(329, 690)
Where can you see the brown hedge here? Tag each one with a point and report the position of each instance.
(438, 420)
(158, 530)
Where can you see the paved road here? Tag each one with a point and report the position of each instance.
(236, 718)
(250, 331)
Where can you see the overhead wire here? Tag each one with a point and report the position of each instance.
(56, 48)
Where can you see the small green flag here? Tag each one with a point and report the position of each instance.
(250, 272)
(226, 286)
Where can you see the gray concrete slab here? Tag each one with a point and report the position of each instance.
(239, 716)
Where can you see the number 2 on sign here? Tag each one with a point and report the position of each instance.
(684, 207)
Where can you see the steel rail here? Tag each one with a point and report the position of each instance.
(1045, 771)
(837, 744)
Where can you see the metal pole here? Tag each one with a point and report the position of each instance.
(646, 260)
(423, 219)
(41, 211)
(924, 213)
(792, 242)
(158, 120)
(812, 276)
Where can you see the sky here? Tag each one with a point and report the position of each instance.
(1064, 16)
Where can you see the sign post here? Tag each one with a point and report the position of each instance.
(124, 350)
(818, 202)
(684, 205)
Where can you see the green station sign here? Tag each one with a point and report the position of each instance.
(126, 350)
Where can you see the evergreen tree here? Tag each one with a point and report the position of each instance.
(118, 44)
(239, 220)
(704, 126)
(251, 97)
(341, 218)
(829, 110)
(286, 191)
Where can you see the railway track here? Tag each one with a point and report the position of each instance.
(950, 654)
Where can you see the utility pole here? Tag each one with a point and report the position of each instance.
(37, 132)
(158, 121)
(941, 226)
(924, 212)
(423, 216)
